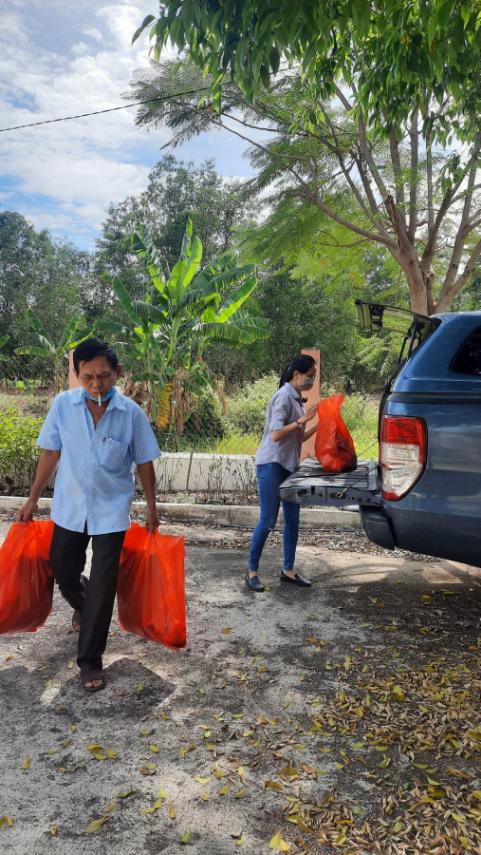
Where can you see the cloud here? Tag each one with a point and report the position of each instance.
(84, 164)
(63, 58)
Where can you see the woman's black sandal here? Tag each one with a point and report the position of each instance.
(76, 618)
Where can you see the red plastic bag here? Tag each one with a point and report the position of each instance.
(26, 577)
(150, 591)
(334, 446)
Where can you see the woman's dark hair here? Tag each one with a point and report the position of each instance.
(90, 349)
(302, 363)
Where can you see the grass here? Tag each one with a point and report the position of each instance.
(27, 403)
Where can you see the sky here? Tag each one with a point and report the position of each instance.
(60, 58)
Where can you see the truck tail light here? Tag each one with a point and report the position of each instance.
(403, 454)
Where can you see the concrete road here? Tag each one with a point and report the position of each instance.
(293, 718)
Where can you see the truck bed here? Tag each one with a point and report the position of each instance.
(310, 485)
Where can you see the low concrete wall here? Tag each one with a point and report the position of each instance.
(212, 473)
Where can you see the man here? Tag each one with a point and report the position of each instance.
(95, 435)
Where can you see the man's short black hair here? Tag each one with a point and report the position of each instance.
(90, 349)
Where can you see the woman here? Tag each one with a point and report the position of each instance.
(278, 455)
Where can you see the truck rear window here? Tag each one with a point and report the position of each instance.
(468, 357)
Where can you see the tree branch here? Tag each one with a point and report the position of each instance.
(429, 177)
(397, 168)
(413, 183)
(462, 234)
(448, 293)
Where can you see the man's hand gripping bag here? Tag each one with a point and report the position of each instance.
(333, 445)
(150, 591)
(26, 577)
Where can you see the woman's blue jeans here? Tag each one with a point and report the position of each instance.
(269, 478)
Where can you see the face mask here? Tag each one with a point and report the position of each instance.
(307, 383)
(95, 398)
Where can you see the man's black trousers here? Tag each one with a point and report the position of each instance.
(93, 599)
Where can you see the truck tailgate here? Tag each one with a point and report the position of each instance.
(310, 485)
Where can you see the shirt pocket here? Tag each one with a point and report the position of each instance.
(114, 455)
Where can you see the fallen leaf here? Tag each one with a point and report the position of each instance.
(26, 763)
(157, 805)
(273, 785)
(278, 844)
(148, 769)
(219, 773)
(227, 630)
(201, 780)
(186, 838)
(224, 790)
(96, 824)
(6, 821)
(154, 748)
(53, 830)
(172, 812)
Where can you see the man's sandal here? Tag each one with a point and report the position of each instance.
(76, 618)
(92, 675)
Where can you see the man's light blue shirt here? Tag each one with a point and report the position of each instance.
(94, 484)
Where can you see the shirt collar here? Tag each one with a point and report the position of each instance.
(117, 401)
(292, 392)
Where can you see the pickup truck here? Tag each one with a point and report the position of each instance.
(424, 492)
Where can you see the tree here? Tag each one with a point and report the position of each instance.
(398, 53)
(185, 310)
(55, 352)
(418, 202)
(38, 274)
(175, 191)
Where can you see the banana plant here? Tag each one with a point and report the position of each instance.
(71, 335)
(185, 310)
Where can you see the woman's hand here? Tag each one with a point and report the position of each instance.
(310, 413)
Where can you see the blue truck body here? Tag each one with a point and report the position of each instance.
(440, 514)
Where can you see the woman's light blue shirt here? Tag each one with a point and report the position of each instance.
(94, 484)
(285, 407)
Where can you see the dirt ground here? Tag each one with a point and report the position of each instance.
(345, 718)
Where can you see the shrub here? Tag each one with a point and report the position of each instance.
(204, 421)
(360, 414)
(18, 454)
(246, 412)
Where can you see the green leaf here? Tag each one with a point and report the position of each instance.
(33, 351)
(145, 23)
(124, 300)
(361, 13)
(235, 300)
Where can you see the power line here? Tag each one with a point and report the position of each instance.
(107, 110)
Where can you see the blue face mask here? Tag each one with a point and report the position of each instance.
(103, 399)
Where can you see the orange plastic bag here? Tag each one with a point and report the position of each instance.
(333, 445)
(26, 577)
(150, 591)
